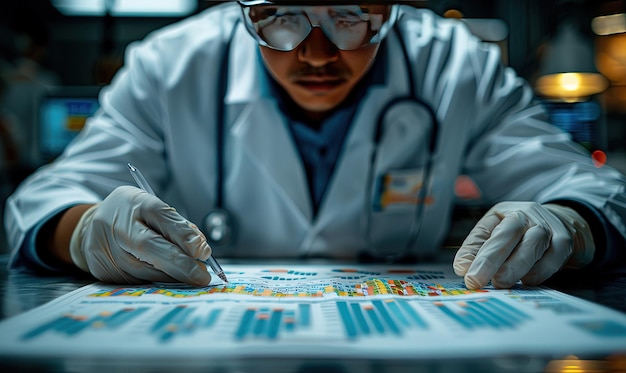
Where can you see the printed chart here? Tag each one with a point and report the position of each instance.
(316, 311)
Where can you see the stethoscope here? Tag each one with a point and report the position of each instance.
(404, 254)
(219, 224)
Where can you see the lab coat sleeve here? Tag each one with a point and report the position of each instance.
(494, 130)
(95, 162)
(513, 153)
(523, 157)
(32, 260)
(29, 258)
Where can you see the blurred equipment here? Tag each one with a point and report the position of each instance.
(127, 8)
(580, 119)
(62, 115)
(610, 29)
(612, 20)
(491, 30)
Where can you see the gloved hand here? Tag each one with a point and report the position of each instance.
(134, 237)
(523, 240)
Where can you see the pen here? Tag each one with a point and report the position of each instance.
(143, 184)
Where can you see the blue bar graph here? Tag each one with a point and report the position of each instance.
(402, 318)
(348, 319)
(386, 316)
(260, 324)
(268, 323)
(378, 317)
(359, 318)
(290, 320)
(304, 310)
(489, 313)
(245, 326)
(212, 317)
(373, 317)
(183, 320)
(413, 316)
(71, 325)
(274, 324)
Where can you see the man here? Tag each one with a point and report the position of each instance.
(329, 130)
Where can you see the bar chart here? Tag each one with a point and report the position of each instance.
(271, 323)
(183, 320)
(286, 275)
(482, 313)
(170, 322)
(379, 318)
(73, 324)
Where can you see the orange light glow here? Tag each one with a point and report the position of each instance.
(571, 87)
(453, 13)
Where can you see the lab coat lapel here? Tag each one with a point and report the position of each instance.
(256, 127)
(351, 172)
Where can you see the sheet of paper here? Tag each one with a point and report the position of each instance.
(310, 311)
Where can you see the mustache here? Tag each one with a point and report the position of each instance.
(332, 70)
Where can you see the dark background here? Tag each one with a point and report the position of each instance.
(76, 43)
(87, 50)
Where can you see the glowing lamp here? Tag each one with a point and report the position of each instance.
(571, 87)
(568, 71)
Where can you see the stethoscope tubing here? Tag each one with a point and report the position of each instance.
(377, 136)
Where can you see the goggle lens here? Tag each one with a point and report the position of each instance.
(349, 27)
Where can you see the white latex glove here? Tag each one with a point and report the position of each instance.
(134, 237)
(523, 240)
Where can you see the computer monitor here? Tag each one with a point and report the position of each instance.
(62, 115)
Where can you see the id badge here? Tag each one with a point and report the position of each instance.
(397, 189)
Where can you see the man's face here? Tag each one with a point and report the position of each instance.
(316, 74)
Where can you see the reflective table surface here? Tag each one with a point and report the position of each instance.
(20, 292)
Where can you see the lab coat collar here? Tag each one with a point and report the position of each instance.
(351, 171)
(247, 81)
(257, 126)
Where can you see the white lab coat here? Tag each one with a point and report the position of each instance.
(160, 114)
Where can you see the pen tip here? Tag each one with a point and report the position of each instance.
(222, 276)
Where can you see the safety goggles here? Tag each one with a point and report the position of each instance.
(349, 27)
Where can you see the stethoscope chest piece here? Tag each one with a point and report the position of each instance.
(218, 227)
